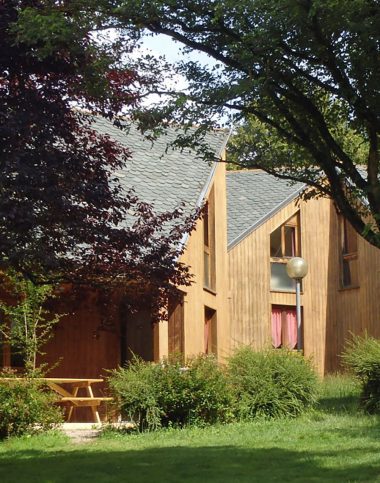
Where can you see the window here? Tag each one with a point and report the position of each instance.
(209, 280)
(176, 333)
(284, 244)
(349, 254)
(284, 327)
(210, 342)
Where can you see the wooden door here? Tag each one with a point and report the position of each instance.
(137, 337)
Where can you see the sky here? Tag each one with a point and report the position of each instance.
(163, 45)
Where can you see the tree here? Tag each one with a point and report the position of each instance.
(29, 323)
(307, 71)
(61, 208)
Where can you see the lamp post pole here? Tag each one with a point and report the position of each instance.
(296, 269)
(299, 315)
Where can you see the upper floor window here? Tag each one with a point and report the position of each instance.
(349, 254)
(209, 278)
(284, 244)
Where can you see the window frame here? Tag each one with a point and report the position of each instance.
(294, 223)
(209, 255)
(210, 331)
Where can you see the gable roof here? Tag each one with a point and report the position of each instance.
(162, 176)
(253, 196)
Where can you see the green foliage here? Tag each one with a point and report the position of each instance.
(254, 384)
(155, 395)
(271, 383)
(362, 356)
(29, 324)
(339, 394)
(301, 76)
(135, 393)
(271, 151)
(196, 394)
(26, 407)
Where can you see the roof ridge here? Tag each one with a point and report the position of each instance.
(246, 170)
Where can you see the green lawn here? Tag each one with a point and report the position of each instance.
(333, 443)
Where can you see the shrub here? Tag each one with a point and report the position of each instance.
(362, 356)
(26, 407)
(135, 392)
(155, 395)
(271, 383)
(198, 394)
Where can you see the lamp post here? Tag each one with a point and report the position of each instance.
(296, 269)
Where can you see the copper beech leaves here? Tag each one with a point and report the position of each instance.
(61, 212)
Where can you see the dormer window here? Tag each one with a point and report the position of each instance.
(284, 244)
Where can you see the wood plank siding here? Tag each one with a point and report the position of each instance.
(330, 312)
(199, 297)
(101, 334)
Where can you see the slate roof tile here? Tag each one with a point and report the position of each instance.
(164, 176)
(252, 197)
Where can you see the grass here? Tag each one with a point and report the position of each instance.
(332, 443)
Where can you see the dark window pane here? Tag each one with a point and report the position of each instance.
(350, 273)
(206, 236)
(17, 358)
(275, 243)
(207, 275)
(350, 239)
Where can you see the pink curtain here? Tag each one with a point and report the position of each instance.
(293, 242)
(291, 328)
(276, 327)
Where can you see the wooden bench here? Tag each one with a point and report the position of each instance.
(92, 402)
(71, 398)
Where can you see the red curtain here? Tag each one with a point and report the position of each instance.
(284, 327)
(276, 326)
(291, 329)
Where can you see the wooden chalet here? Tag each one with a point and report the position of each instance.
(267, 225)
(99, 333)
(241, 293)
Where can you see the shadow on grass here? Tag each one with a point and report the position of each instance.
(339, 405)
(187, 464)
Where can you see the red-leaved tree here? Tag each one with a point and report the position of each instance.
(61, 209)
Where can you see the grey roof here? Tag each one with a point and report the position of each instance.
(252, 198)
(164, 176)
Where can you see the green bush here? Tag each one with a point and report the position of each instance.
(26, 407)
(197, 394)
(271, 383)
(135, 393)
(362, 356)
(155, 395)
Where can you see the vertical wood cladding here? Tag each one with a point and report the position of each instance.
(330, 313)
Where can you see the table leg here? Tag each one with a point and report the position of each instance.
(94, 409)
(75, 392)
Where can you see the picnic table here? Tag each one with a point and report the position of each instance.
(67, 388)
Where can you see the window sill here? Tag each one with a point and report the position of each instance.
(209, 290)
(285, 291)
(351, 287)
